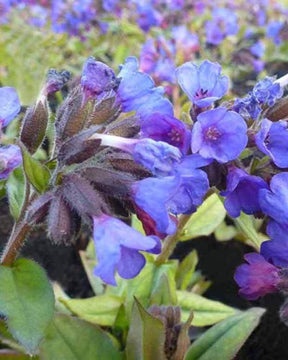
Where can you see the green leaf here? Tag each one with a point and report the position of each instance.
(37, 173)
(27, 301)
(245, 225)
(16, 192)
(89, 263)
(223, 341)
(186, 269)
(225, 232)
(146, 337)
(101, 310)
(205, 220)
(206, 312)
(69, 338)
(6, 354)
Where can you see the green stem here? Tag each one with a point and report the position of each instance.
(171, 241)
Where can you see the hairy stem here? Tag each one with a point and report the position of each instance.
(15, 243)
(171, 241)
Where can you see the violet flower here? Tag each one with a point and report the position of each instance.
(117, 248)
(272, 140)
(204, 84)
(10, 159)
(257, 278)
(242, 193)
(219, 134)
(9, 105)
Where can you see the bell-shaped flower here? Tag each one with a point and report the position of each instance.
(9, 105)
(117, 247)
(242, 193)
(204, 84)
(219, 134)
(10, 159)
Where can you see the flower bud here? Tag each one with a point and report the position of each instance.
(39, 209)
(278, 111)
(55, 80)
(34, 125)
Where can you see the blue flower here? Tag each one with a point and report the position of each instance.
(273, 31)
(267, 92)
(138, 93)
(9, 105)
(10, 159)
(248, 107)
(219, 134)
(272, 140)
(242, 193)
(274, 202)
(257, 278)
(179, 193)
(276, 249)
(97, 78)
(204, 84)
(117, 248)
(162, 127)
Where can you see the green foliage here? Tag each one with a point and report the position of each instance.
(69, 338)
(27, 301)
(146, 336)
(37, 173)
(205, 220)
(206, 312)
(186, 270)
(16, 192)
(223, 341)
(101, 310)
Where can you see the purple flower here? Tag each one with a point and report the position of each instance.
(177, 194)
(273, 31)
(117, 248)
(219, 134)
(276, 249)
(267, 92)
(157, 156)
(204, 84)
(242, 193)
(257, 278)
(162, 127)
(138, 93)
(97, 78)
(274, 202)
(9, 105)
(55, 81)
(223, 23)
(258, 49)
(10, 159)
(248, 107)
(272, 140)
(148, 16)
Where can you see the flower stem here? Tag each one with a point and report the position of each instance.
(171, 241)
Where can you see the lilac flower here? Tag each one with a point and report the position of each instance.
(138, 93)
(223, 23)
(276, 249)
(148, 16)
(148, 56)
(9, 105)
(180, 193)
(157, 156)
(242, 193)
(117, 248)
(10, 159)
(272, 140)
(97, 78)
(219, 134)
(162, 127)
(247, 107)
(267, 92)
(258, 49)
(273, 31)
(204, 84)
(257, 278)
(274, 202)
(185, 40)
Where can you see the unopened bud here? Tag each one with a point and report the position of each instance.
(38, 210)
(55, 80)
(34, 125)
(279, 111)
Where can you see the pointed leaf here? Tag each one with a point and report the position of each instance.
(206, 312)
(245, 224)
(16, 191)
(146, 337)
(223, 341)
(27, 301)
(101, 310)
(205, 220)
(69, 338)
(186, 269)
(37, 173)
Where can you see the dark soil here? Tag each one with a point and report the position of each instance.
(217, 262)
